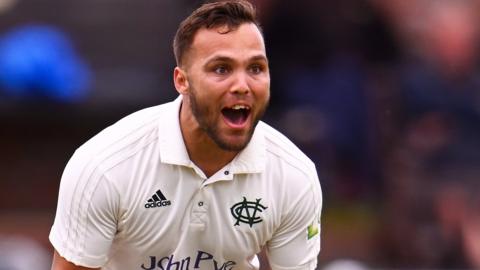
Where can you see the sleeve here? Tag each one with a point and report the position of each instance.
(86, 218)
(296, 243)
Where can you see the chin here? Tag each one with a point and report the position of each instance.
(235, 145)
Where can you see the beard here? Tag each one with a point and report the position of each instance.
(209, 125)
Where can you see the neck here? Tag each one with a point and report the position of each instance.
(202, 150)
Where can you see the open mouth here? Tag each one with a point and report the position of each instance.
(236, 115)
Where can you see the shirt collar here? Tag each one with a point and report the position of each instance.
(173, 149)
(172, 146)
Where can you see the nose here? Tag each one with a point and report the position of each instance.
(240, 84)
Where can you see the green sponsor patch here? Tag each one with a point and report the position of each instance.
(312, 230)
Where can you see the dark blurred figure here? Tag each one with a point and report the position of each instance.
(328, 52)
(432, 214)
(439, 71)
(433, 161)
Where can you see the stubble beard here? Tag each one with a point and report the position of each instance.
(211, 129)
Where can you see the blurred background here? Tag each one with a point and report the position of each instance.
(384, 96)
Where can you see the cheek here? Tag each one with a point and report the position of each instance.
(211, 88)
(261, 89)
(206, 101)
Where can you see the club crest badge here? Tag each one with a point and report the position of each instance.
(247, 212)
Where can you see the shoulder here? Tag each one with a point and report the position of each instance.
(294, 179)
(288, 165)
(125, 131)
(283, 150)
(116, 143)
(134, 130)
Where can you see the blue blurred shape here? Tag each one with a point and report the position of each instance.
(39, 60)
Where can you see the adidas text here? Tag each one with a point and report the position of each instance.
(157, 204)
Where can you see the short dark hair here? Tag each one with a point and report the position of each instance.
(230, 13)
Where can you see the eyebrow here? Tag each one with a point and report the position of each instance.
(221, 58)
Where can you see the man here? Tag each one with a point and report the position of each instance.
(200, 182)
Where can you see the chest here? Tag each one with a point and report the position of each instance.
(181, 215)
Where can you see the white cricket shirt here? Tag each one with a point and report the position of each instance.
(130, 198)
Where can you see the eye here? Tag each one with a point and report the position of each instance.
(256, 69)
(221, 70)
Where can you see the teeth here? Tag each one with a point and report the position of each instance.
(239, 107)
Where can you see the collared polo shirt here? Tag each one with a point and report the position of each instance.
(131, 198)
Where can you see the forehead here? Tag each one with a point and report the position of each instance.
(243, 42)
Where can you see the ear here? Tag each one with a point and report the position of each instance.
(180, 80)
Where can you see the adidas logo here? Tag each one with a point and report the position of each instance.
(157, 200)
